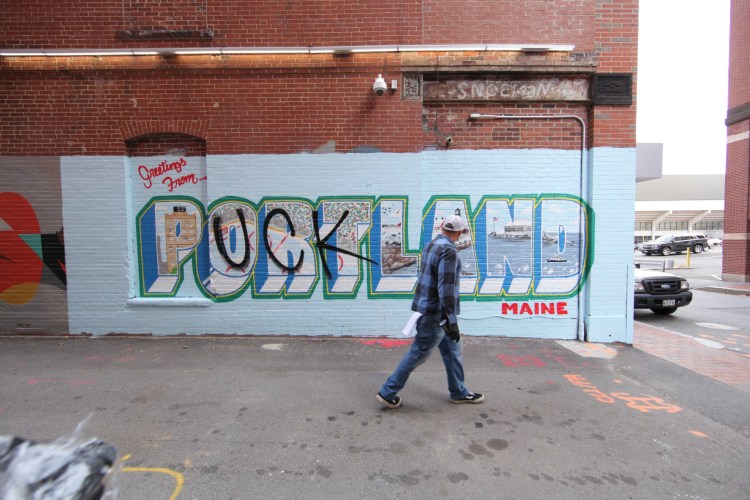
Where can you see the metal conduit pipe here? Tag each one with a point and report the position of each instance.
(480, 116)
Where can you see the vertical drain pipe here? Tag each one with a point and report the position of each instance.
(480, 116)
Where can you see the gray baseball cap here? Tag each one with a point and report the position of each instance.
(455, 224)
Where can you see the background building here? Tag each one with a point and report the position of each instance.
(240, 168)
(736, 264)
(680, 204)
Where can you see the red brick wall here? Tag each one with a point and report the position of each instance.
(739, 61)
(737, 204)
(239, 104)
(510, 21)
(238, 111)
(70, 23)
(241, 111)
(736, 248)
(451, 120)
(617, 42)
(166, 145)
(288, 103)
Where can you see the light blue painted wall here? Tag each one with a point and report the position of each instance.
(97, 239)
(609, 289)
(102, 196)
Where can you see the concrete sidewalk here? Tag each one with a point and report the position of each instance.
(730, 288)
(287, 417)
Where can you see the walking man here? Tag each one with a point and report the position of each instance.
(437, 298)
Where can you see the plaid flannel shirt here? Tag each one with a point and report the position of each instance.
(438, 284)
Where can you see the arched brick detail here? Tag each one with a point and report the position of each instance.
(166, 143)
(130, 130)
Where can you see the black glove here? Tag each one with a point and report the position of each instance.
(451, 330)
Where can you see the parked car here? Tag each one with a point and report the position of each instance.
(638, 241)
(714, 242)
(669, 244)
(661, 292)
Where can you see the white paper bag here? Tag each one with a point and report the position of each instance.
(411, 326)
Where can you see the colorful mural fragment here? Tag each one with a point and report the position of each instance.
(520, 247)
(33, 271)
(25, 252)
(330, 244)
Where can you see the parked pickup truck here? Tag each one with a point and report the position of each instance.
(661, 292)
(669, 244)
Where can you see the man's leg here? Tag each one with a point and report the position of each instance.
(452, 353)
(428, 335)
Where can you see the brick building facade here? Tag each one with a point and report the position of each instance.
(736, 264)
(196, 168)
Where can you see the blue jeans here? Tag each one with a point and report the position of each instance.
(429, 335)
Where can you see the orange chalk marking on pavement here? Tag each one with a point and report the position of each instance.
(644, 404)
(699, 434)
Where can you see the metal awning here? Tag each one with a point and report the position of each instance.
(687, 211)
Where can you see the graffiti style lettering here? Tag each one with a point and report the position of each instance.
(219, 238)
(535, 308)
(267, 244)
(521, 248)
(148, 174)
(533, 246)
(236, 241)
(282, 270)
(347, 223)
(397, 274)
(505, 233)
(168, 234)
(181, 181)
(323, 245)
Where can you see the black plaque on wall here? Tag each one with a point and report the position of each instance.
(613, 88)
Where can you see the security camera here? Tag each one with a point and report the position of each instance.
(448, 141)
(379, 87)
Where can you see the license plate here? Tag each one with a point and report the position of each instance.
(668, 302)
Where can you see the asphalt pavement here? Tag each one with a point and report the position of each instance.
(296, 417)
(292, 417)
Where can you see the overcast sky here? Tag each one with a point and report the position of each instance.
(683, 55)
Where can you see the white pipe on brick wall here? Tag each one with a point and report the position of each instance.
(480, 116)
(284, 50)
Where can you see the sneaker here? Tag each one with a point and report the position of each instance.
(391, 403)
(472, 397)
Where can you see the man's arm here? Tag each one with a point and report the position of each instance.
(448, 281)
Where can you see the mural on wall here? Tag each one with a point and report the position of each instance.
(521, 247)
(25, 252)
(33, 272)
(396, 271)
